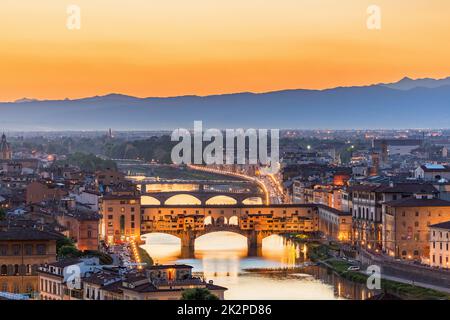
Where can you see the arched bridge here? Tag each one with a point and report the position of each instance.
(188, 237)
(202, 197)
(254, 222)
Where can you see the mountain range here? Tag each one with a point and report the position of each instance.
(408, 103)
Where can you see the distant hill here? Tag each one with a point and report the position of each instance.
(408, 83)
(423, 103)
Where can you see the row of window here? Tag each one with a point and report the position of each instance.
(16, 269)
(440, 260)
(14, 288)
(122, 209)
(49, 286)
(405, 253)
(416, 224)
(234, 212)
(440, 234)
(440, 245)
(111, 217)
(27, 249)
(363, 213)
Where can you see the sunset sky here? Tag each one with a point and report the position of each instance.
(177, 47)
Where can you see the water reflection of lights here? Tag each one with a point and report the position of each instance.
(162, 248)
(225, 248)
(221, 265)
(222, 257)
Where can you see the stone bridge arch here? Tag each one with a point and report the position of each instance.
(258, 200)
(188, 237)
(205, 198)
(149, 200)
(182, 199)
(221, 200)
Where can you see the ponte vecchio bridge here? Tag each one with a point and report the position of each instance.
(255, 222)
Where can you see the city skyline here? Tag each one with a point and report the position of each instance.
(208, 150)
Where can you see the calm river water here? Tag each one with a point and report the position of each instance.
(222, 257)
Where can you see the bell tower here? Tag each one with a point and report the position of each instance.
(5, 149)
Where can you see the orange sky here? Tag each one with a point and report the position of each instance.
(176, 47)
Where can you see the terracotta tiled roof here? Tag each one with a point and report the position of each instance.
(414, 202)
(21, 233)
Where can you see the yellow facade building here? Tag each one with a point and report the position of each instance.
(406, 225)
(121, 218)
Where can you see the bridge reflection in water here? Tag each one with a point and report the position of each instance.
(226, 246)
(222, 257)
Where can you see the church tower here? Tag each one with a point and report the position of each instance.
(5, 149)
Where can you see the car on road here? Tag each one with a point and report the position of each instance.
(353, 268)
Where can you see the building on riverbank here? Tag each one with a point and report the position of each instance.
(366, 206)
(62, 280)
(440, 245)
(22, 250)
(335, 224)
(406, 225)
(121, 217)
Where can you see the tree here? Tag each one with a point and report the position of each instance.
(2, 214)
(198, 294)
(64, 242)
(69, 251)
(66, 248)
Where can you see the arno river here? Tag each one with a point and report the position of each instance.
(222, 257)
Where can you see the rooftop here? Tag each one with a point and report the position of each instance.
(435, 168)
(442, 225)
(414, 202)
(333, 210)
(12, 233)
(396, 188)
(64, 263)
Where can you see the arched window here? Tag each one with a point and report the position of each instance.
(4, 270)
(16, 269)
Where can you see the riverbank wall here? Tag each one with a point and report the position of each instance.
(406, 270)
